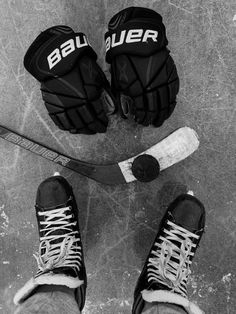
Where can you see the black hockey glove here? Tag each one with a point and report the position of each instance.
(144, 76)
(74, 88)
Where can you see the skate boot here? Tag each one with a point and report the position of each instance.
(60, 257)
(167, 267)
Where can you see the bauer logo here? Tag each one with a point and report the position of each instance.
(37, 149)
(65, 49)
(131, 36)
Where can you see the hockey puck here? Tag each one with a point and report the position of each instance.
(145, 168)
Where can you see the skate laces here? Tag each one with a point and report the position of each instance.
(170, 262)
(60, 246)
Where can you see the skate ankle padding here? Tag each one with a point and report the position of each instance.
(46, 279)
(164, 296)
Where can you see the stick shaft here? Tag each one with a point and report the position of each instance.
(46, 152)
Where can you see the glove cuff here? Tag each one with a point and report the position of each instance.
(55, 51)
(134, 31)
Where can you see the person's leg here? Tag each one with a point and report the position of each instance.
(60, 283)
(49, 303)
(161, 287)
(162, 308)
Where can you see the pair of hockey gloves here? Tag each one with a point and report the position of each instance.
(76, 93)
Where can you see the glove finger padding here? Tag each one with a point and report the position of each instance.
(143, 74)
(74, 88)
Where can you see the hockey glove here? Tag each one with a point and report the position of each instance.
(74, 88)
(144, 76)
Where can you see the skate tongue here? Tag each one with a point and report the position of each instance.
(59, 232)
(157, 286)
(67, 271)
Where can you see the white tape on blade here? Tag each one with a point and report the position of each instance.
(172, 149)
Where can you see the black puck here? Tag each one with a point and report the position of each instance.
(145, 168)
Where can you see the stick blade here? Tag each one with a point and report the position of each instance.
(176, 147)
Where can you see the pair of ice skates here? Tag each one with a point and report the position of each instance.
(60, 258)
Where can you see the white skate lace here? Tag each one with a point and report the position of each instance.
(170, 261)
(58, 250)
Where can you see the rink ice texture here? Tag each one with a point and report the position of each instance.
(118, 223)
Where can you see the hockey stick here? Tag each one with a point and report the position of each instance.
(172, 149)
